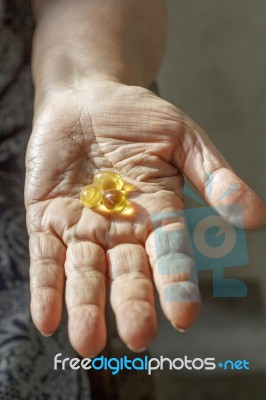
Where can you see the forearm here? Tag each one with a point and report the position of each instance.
(78, 41)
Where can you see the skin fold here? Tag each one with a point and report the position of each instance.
(93, 112)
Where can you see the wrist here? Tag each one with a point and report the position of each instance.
(51, 88)
(81, 54)
(78, 43)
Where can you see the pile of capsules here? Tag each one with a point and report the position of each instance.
(105, 189)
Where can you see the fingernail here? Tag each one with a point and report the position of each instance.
(47, 334)
(135, 350)
(90, 357)
(177, 328)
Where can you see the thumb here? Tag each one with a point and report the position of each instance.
(198, 158)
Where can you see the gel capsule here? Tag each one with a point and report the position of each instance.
(114, 200)
(108, 180)
(91, 195)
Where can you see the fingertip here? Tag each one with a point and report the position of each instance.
(234, 200)
(87, 330)
(255, 216)
(181, 303)
(247, 213)
(46, 309)
(177, 327)
(47, 334)
(136, 324)
(139, 350)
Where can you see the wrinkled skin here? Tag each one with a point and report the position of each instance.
(151, 144)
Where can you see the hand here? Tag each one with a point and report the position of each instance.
(151, 144)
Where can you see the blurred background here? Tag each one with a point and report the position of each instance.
(214, 70)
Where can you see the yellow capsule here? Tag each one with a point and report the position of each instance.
(114, 200)
(91, 195)
(108, 180)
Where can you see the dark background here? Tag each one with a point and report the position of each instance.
(214, 70)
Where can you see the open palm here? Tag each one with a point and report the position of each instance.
(151, 144)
